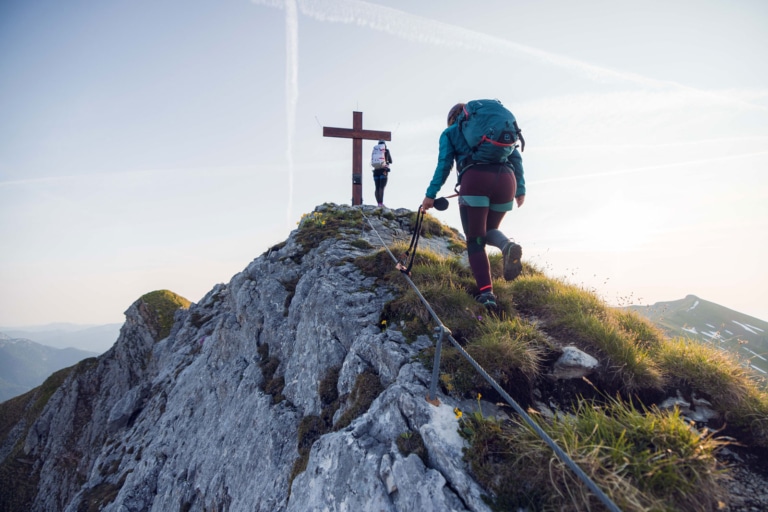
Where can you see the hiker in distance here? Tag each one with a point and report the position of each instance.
(380, 160)
(482, 138)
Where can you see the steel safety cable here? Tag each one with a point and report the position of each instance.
(604, 498)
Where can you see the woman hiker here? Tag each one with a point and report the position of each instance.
(380, 160)
(487, 193)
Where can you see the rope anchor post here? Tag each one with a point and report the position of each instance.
(432, 396)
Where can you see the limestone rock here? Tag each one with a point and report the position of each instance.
(573, 364)
(208, 417)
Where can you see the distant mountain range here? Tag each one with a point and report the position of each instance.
(25, 364)
(91, 338)
(707, 322)
(29, 355)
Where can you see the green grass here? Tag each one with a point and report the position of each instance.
(326, 223)
(577, 315)
(643, 457)
(513, 343)
(721, 379)
(444, 282)
(431, 227)
(509, 350)
(162, 306)
(636, 358)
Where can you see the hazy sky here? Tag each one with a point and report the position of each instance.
(148, 145)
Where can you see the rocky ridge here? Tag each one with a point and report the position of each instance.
(185, 423)
(223, 413)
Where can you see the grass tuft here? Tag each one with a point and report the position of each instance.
(365, 390)
(722, 380)
(575, 314)
(412, 442)
(509, 350)
(272, 384)
(325, 223)
(642, 459)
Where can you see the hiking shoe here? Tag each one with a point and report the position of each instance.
(487, 299)
(512, 264)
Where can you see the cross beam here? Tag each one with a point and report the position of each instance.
(357, 134)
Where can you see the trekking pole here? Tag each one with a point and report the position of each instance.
(404, 265)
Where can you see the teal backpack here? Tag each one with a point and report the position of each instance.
(490, 130)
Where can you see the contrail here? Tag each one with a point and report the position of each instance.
(427, 31)
(424, 30)
(291, 91)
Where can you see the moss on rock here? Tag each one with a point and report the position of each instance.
(161, 305)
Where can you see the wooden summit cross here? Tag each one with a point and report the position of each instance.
(357, 134)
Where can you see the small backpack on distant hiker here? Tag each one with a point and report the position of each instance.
(379, 156)
(490, 130)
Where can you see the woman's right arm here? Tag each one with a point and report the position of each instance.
(445, 159)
